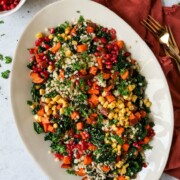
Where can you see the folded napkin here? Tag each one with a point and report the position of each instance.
(133, 11)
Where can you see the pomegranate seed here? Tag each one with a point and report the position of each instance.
(35, 70)
(109, 66)
(96, 54)
(113, 52)
(99, 48)
(90, 83)
(97, 87)
(52, 30)
(144, 165)
(115, 61)
(32, 58)
(118, 158)
(108, 56)
(104, 29)
(44, 74)
(78, 155)
(12, 6)
(31, 50)
(78, 136)
(96, 39)
(115, 47)
(46, 46)
(103, 40)
(108, 62)
(77, 82)
(38, 42)
(46, 39)
(109, 46)
(127, 54)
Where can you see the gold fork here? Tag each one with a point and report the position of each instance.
(161, 34)
(172, 42)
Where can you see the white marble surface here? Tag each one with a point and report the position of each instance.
(15, 162)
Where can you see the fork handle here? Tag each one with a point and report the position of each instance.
(173, 53)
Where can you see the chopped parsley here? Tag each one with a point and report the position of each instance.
(8, 60)
(5, 74)
(1, 57)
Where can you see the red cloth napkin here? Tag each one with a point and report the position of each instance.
(133, 11)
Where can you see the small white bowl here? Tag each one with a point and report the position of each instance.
(6, 13)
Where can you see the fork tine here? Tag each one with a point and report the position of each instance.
(170, 41)
(157, 23)
(149, 26)
(171, 37)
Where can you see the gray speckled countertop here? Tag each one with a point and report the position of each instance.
(15, 162)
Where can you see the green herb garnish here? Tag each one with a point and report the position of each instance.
(5, 74)
(8, 59)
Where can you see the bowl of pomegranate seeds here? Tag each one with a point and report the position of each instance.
(8, 7)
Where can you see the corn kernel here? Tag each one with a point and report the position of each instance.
(131, 108)
(54, 107)
(68, 53)
(74, 43)
(101, 98)
(67, 30)
(65, 38)
(51, 36)
(63, 35)
(56, 98)
(49, 112)
(118, 147)
(123, 110)
(126, 97)
(111, 114)
(148, 104)
(116, 110)
(32, 106)
(105, 105)
(131, 87)
(37, 86)
(69, 37)
(53, 102)
(115, 115)
(115, 179)
(54, 112)
(47, 100)
(106, 141)
(41, 91)
(114, 145)
(55, 125)
(61, 111)
(50, 68)
(134, 98)
(112, 105)
(46, 108)
(107, 134)
(127, 178)
(120, 106)
(104, 94)
(39, 35)
(145, 100)
(114, 128)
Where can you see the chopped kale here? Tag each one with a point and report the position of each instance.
(52, 94)
(38, 128)
(5, 74)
